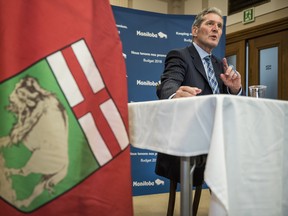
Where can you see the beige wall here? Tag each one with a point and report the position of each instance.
(275, 9)
(122, 3)
(151, 5)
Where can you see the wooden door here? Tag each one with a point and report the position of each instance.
(262, 67)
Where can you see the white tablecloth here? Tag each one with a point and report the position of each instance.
(246, 140)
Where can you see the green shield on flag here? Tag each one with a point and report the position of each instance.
(43, 150)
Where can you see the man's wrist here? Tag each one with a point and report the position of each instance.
(235, 91)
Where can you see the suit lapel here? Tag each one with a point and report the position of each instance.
(197, 61)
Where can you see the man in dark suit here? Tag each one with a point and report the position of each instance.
(195, 71)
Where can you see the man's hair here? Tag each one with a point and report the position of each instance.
(199, 18)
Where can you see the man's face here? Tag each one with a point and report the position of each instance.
(207, 36)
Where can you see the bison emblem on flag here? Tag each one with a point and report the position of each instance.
(57, 108)
(34, 108)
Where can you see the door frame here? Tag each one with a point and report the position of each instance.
(238, 49)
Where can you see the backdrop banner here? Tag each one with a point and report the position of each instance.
(147, 37)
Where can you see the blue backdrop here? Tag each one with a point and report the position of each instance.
(147, 37)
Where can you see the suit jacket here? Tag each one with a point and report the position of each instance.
(184, 67)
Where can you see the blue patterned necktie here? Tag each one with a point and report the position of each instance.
(211, 76)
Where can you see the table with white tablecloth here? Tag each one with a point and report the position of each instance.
(246, 140)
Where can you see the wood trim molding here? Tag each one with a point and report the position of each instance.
(238, 49)
(257, 31)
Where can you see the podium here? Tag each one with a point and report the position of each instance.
(246, 140)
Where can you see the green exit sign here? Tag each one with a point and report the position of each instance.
(248, 15)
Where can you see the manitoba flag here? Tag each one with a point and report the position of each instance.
(63, 109)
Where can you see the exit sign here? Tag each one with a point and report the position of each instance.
(248, 15)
